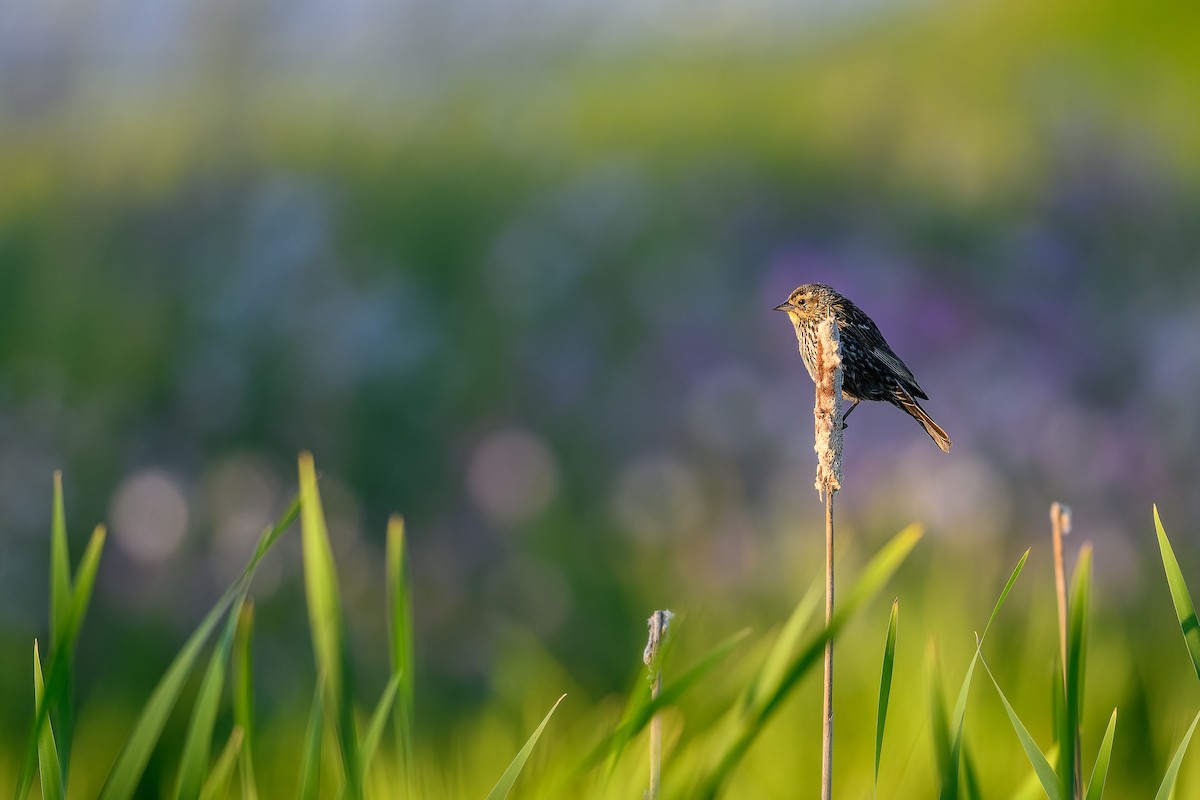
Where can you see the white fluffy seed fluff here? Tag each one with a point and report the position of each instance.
(828, 409)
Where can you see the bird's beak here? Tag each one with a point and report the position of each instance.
(784, 306)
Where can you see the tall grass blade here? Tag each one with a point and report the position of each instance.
(60, 570)
(970, 777)
(1041, 766)
(216, 785)
(1185, 611)
(243, 697)
(400, 639)
(58, 675)
(378, 722)
(310, 759)
(59, 705)
(1095, 789)
(48, 763)
(135, 753)
(885, 684)
(327, 625)
(505, 784)
(197, 745)
(1077, 609)
(874, 576)
(1168, 782)
(943, 742)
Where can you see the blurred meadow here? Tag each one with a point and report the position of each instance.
(507, 269)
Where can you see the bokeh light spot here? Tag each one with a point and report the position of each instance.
(512, 476)
(150, 515)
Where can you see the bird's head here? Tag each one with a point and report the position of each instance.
(808, 302)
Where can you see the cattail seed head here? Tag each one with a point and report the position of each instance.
(827, 413)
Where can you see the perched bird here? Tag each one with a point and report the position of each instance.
(870, 370)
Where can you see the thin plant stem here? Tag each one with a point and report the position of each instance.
(827, 729)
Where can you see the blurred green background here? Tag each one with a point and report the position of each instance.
(507, 268)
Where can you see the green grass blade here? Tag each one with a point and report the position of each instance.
(1041, 766)
(378, 721)
(60, 571)
(873, 577)
(310, 760)
(885, 683)
(1076, 662)
(216, 785)
(131, 762)
(950, 777)
(59, 673)
(1095, 789)
(85, 582)
(326, 623)
(970, 776)
(785, 646)
(59, 704)
(197, 746)
(505, 784)
(1012, 579)
(243, 697)
(1031, 788)
(400, 639)
(1168, 782)
(1185, 611)
(48, 763)
(943, 742)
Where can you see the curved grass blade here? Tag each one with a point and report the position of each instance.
(48, 763)
(505, 784)
(950, 776)
(786, 644)
(310, 761)
(885, 683)
(197, 746)
(1095, 789)
(1185, 611)
(216, 785)
(1031, 789)
(327, 624)
(874, 575)
(1041, 766)
(378, 721)
(1168, 782)
(243, 697)
(135, 753)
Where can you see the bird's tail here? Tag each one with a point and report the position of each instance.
(906, 402)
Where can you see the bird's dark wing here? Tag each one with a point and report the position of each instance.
(867, 337)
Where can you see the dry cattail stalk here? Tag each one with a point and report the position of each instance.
(658, 624)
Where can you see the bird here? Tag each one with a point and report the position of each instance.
(870, 370)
